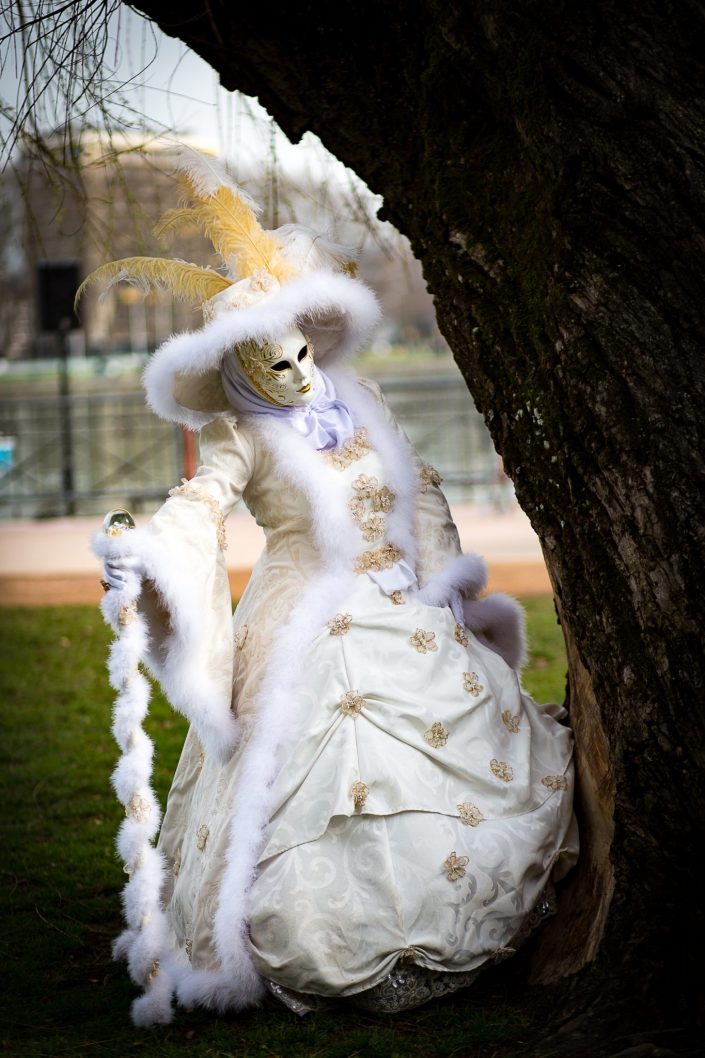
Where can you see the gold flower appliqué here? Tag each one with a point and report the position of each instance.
(470, 814)
(555, 782)
(353, 449)
(501, 769)
(351, 703)
(436, 735)
(340, 625)
(460, 635)
(428, 476)
(373, 527)
(423, 641)
(379, 559)
(471, 683)
(202, 837)
(359, 792)
(510, 722)
(455, 866)
(240, 637)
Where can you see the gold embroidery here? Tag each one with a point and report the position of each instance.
(193, 491)
(177, 862)
(437, 735)
(424, 642)
(201, 760)
(188, 948)
(472, 684)
(383, 500)
(356, 506)
(353, 449)
(240, 637)
(153, 970)
(502, 770)
(373, 527)
(351, 703)
(340, 624)
(429, 476)
(510, 722)
(359, 792)
(202, 837)
(127, 614)
(397, 598)
(138, 808)
(381, 558)
(461, 635)
(455, 866)
(470, 814)
(365, 486)
(555, 782)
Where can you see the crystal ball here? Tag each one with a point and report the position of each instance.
(117, 521)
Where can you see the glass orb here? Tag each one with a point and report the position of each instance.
(117, 521)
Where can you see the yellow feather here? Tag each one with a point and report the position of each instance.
(173, 221)
(187, 282)
(227, 218)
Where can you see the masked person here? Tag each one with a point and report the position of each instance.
(367, 807)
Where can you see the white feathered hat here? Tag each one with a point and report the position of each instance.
(273, 281)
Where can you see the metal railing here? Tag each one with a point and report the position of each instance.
(121, 454)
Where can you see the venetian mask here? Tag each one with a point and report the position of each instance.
(281, 371)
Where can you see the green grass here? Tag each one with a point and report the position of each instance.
(60, 993)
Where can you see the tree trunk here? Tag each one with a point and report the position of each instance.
(547, 162)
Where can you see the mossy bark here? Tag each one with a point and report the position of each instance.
(547, 162)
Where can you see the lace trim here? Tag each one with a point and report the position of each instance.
(195, 492)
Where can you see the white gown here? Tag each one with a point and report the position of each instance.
(420, 814)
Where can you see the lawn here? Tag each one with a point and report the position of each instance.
(61, 994)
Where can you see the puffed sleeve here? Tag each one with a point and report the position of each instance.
(184, 599)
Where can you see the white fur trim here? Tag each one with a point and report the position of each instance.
(186, 685)
(498, 622)
(317, 297)
(466, 574)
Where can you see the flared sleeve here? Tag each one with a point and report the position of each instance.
(184, 598)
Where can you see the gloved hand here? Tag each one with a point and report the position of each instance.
(117, 571)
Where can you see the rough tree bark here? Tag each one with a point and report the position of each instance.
(547, 162)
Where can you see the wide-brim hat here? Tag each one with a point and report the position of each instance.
(335, 311)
